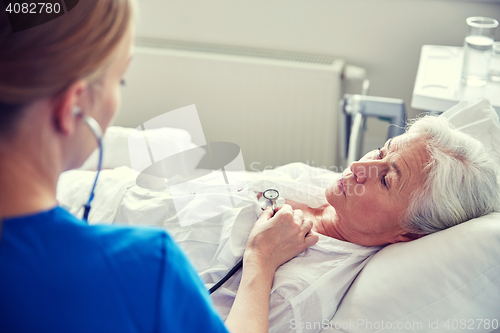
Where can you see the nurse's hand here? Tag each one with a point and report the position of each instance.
(272, 242)
(275, 240)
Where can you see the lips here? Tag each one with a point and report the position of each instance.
(341, 185)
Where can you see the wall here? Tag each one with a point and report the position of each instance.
(383, 36)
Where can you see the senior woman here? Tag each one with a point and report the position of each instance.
(57, 273)
(431, 178)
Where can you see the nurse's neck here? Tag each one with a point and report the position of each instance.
(29, 170)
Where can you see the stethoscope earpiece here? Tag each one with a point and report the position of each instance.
(91, 123)
(76, 110)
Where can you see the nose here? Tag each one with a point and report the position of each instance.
(364, 170)
(359, 171)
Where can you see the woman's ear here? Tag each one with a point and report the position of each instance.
(407, 237)
(66, 104)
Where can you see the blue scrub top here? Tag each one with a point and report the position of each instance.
(57, 274)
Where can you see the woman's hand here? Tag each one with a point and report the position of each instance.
(272, 242)
(275, 240)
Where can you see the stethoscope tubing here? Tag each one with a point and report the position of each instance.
(226, 277)
(240, 263)
(95, 128)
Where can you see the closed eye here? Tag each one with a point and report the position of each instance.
(382, 179)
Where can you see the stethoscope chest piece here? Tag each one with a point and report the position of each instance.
(271, 197)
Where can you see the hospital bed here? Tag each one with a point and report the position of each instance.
(448, 281)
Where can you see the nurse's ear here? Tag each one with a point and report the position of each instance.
(65, 114)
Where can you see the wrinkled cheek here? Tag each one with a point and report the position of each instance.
(356, 190)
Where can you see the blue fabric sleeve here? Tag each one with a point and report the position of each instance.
(184, 303)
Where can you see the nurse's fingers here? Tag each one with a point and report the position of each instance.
(284, 208)
(311, 239)
(299, 215)
(306, 226)
(266, 214)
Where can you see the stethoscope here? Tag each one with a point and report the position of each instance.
(96, 130)
(270, 198)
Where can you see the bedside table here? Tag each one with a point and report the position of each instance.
(438, 85)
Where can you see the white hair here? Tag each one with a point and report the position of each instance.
(460, 179)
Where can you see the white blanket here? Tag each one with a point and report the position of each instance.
(306, 290)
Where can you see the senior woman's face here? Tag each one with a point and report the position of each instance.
(371, 197)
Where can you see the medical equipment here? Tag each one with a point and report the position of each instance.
(96, 130)
(271, 198)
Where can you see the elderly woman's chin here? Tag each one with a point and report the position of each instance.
(335, 191)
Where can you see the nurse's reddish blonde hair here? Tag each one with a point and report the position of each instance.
(45, 60)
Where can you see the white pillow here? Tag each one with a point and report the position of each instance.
(445, 282)
(451, 277)
(116, 145)
(478, 119)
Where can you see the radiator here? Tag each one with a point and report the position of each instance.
(279, 107)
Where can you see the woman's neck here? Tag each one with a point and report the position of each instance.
(324, 218)
(325, 222)
(28, 178)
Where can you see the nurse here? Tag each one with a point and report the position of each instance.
(57, 274)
